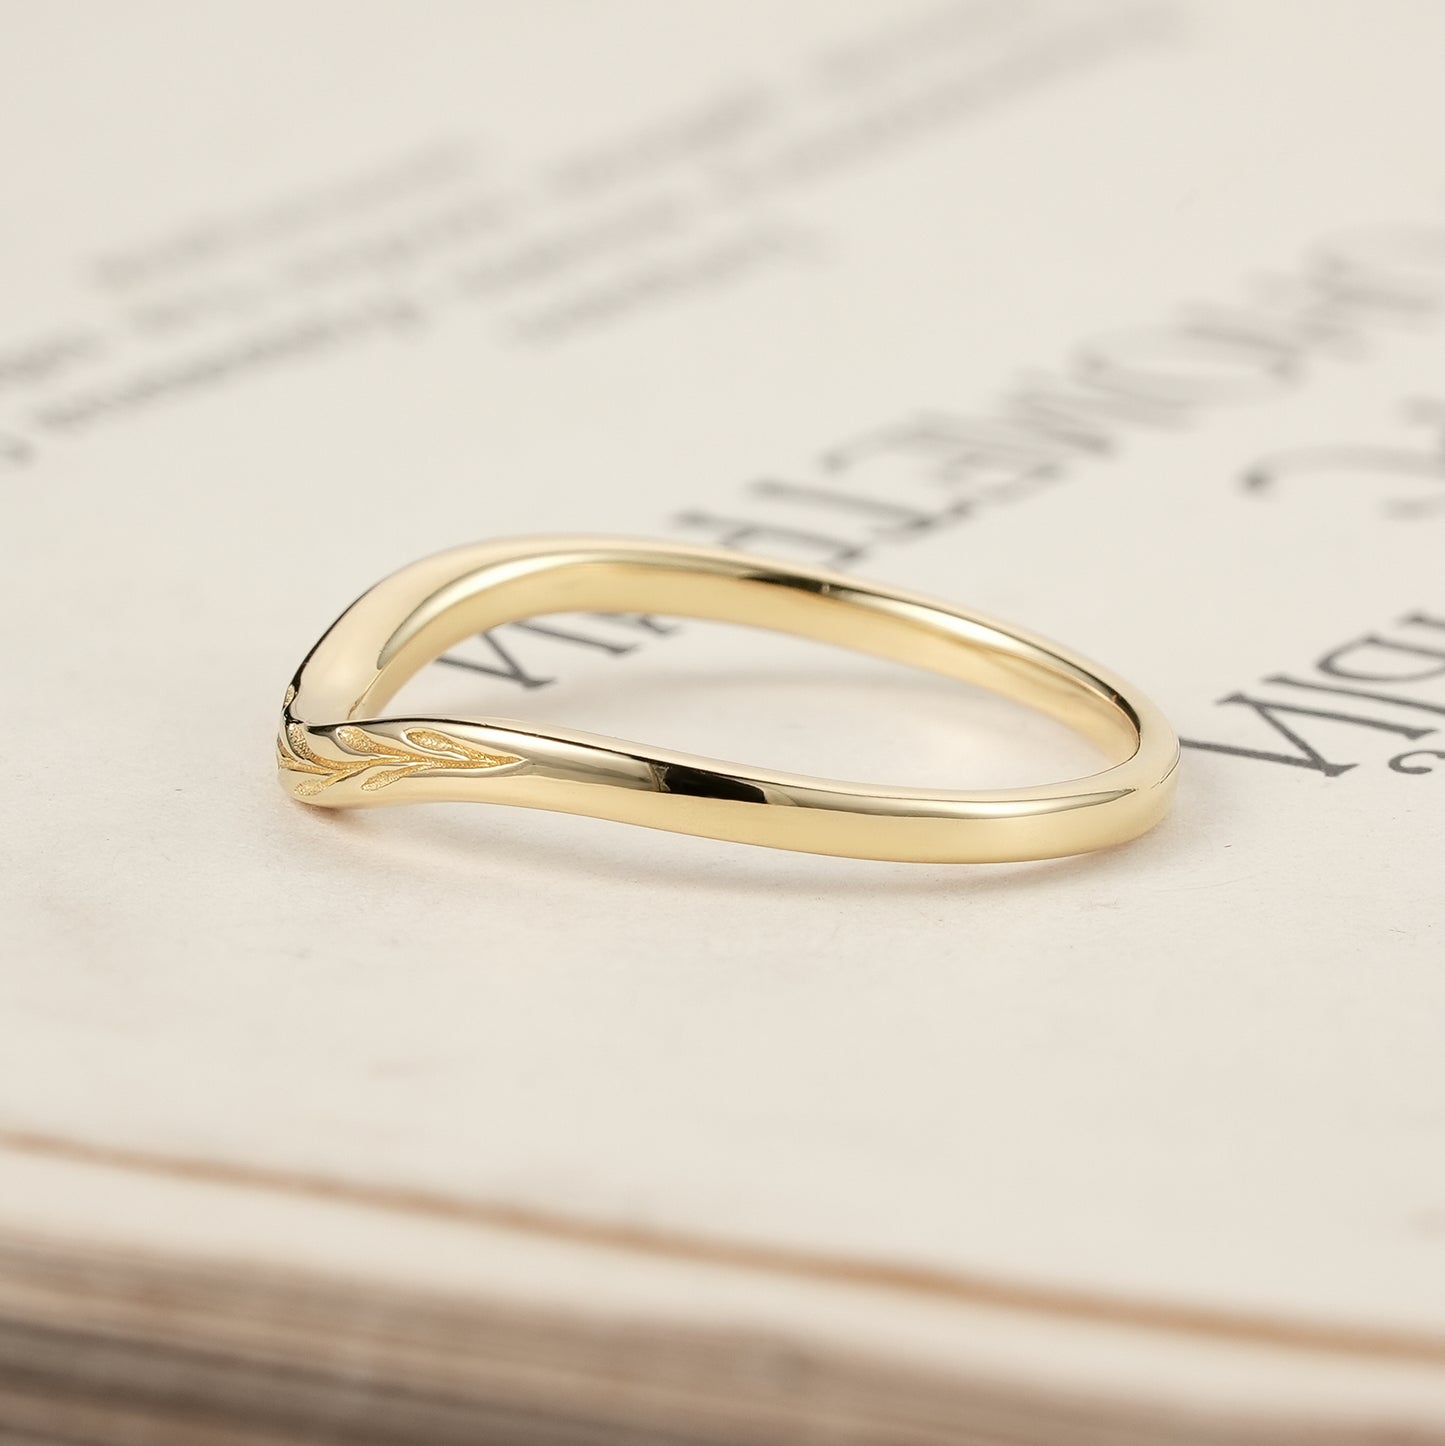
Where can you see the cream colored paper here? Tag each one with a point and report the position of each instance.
(294, 296)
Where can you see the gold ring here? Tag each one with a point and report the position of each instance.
(336, 751)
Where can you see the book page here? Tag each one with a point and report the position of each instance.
(1122, 321)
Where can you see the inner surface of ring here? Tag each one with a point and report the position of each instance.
(457, 601)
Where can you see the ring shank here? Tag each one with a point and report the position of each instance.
(418, 613)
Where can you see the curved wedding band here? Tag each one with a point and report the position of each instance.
(336, 751)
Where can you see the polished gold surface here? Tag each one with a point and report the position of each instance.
(335, 751)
